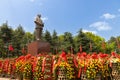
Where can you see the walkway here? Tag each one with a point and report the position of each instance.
(7, 79)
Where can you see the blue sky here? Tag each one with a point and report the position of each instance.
(101, 17)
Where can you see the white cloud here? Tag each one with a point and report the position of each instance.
(108, 16)
(94, 32)
(44, 18)
(101, 26)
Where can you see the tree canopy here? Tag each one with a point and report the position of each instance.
(89, 42)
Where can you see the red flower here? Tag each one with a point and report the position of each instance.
(20, 58)
(113, 54)
(63, 56)
(101, 55)
(28, 56)
(84, 54)
(94, 56)
(79, 55)
(88, 56)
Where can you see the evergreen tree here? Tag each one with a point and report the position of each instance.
(112, 45)
(68, 41)
(5, 39)
(2, 49)
(6, 33)
(82, 40)
(27, 38)
(55, 42)
(47, 36)
(17, 39)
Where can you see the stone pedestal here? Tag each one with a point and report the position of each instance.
(38, 46)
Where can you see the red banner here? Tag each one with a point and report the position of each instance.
(80, 48)
(10, 48)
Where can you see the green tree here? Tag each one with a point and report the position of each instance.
(6, 33)
(61, 45)
(117, 44)
(5, 38)
(96, 41)
(55, 42)
(17, 39)
(111, 45)
(68, 41)
(2, 49)
(83, 40)
(47, 37)
(27, 38)
(112, 39)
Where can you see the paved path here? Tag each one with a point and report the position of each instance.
(7, 79)
(4, 79)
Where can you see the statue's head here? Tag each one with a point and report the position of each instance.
(39, 15)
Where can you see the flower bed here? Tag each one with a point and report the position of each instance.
(64, 66)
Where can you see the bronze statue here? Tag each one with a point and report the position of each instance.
(39, 27)
(38, 46)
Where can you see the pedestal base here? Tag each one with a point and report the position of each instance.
(38, 46)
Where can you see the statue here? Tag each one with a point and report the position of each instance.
(38, 46)
(39, 27)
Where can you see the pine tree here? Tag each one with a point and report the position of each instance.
(82, 40)
(5, 38)
(6, 32)
(17, 39)
(55, 42)
(68, 41)
(47, 36)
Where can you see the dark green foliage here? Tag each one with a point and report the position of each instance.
(47, 37)
(82, 40)
(6, 33)
(68, 41)
(19, 39)
(96, 42)
(55, 42)
(5, 39)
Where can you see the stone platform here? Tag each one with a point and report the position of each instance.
(38, 46)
